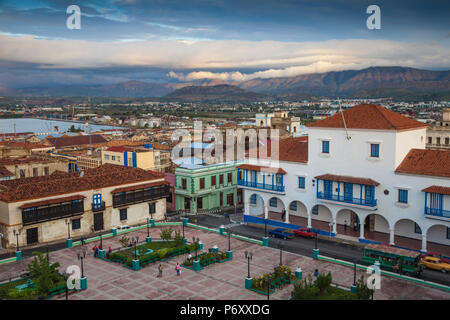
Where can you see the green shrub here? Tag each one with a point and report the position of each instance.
(362, 291)
(162, 253)
(166, 234)
(323, 282)
(23, 294)
(305, 289)
(178, 238)
(124, 241)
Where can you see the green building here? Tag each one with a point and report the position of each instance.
(201, 187)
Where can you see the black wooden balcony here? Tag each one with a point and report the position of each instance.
(139, 196)
(52, 212)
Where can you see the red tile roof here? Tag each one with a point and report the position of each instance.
(51, 201)
(356, 180)
(76, 140)
(290, 149)
(369, 116)
(438, 189)
(119, 149)
(5, 172)
(140, 186)
(426, 162)
(107, 175)
(24, 145)
(8, 161)
(261, 168)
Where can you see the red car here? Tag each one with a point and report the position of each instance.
(305, 232)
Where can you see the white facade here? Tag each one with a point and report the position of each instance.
(350, 155)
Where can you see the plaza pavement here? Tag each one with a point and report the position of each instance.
(225, 281)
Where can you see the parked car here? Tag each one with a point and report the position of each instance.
(436, 255)
(435, 264)
(281, 233)
(305, 232)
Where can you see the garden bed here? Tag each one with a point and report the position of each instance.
(206, 259)
(148, 253)
(280, 277)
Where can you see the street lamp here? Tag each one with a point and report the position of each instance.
(229, 238)
(148, 227)
(81, 257)
(280, 246)
(316, 241)
(354, 272)
(182, 224)
(68, 222)
(66, 277)
(265, 228)
(196, 241)
(16, 233)
(248, 256)
(135, 242)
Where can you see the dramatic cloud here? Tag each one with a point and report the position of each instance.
(206, 59)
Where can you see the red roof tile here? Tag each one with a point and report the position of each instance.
(119, 149)
(438, 189)
(356, 180)
(426, 162)
(290, 149)
(24, 145)
(369, 116)
(261, 168)
(76, 140)
(51, 201)
(107, 175)
(140, 186)
(5, 172)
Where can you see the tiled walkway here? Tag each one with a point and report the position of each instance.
(218, 281)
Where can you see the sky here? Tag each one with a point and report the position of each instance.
(176, 41)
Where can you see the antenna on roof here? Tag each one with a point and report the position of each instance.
(343, 119)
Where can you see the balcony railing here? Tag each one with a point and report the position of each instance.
(346, 199)
(41, 214)
(437, 212)
(140, 196)
(262, 186)
(98, 206)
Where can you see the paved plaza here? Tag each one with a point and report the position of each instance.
(112, 281)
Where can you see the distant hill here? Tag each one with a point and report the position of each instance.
(374, 81)
(396, 82)
(221, 92)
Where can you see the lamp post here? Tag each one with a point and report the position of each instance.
(83, 280)
(135, 242)
(148, 227)
(248, 256)
(66, 277)
(265, 228)
(229, 238)
(101, 242)
(196, 264)
(16, 233)
(353, 286)
(280, 246)
(68, 222)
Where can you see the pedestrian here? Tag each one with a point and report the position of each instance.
(160, 269)
(95, 249)
(316, 274)
(283, 214)
(345, 226)
(82, 240)
(178, 269)
(355, 226)
(109, 252)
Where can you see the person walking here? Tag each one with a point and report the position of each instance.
(178, 269)
(316, 274)
(160, 269)
(109, 252)
(345, 226)
(95, 249)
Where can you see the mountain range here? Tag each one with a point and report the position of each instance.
(369, 83)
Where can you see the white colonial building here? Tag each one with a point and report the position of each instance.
(366, 166)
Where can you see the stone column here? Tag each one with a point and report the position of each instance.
(334, 226)
(424, 242)
(309, 220)
(391, 236)
(266, 212)
(286, 219)
(361, 230)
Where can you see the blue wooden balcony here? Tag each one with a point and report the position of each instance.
(345, 199)
(262, 186)
(437, 212)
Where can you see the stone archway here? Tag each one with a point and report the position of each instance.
(438, 239)
(346, 220)
(407, 234)
(298, 213)
(376, 228)
(277, 209)
(321, 217)
(255, 205)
